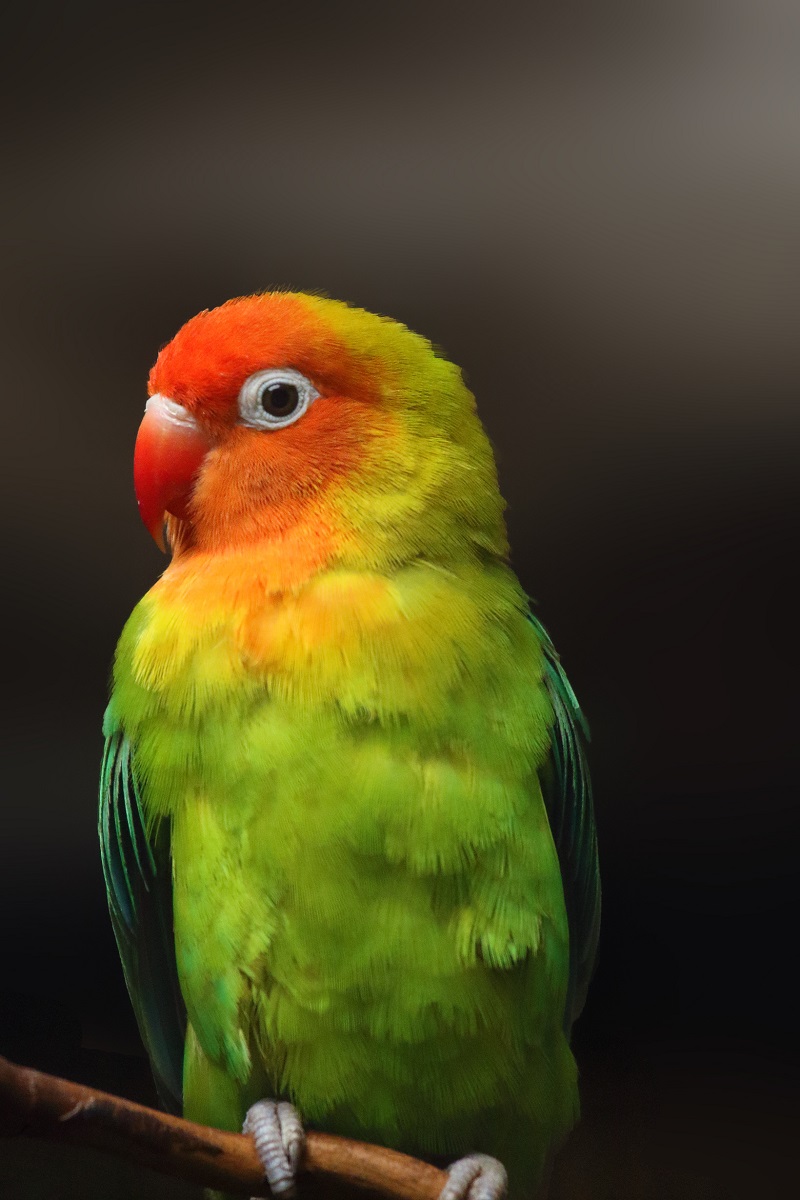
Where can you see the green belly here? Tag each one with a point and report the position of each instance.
(381, 938)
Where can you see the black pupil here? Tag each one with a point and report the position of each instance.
(280, 399)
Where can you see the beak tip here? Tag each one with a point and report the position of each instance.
(159, 539)
(154, 524)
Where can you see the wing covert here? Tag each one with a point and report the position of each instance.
(567, 790)
(138, 877)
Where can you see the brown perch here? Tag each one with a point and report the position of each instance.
(45, 1106)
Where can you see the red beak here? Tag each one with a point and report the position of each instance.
(170, 448)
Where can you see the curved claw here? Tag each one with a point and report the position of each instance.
(476, 1177)
(280, 1139)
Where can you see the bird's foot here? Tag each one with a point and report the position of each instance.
(280, 1139)
(476, 1177)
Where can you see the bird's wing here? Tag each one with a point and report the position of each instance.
(567, 791)
(138, 879)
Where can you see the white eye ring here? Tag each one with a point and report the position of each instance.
(292, 393)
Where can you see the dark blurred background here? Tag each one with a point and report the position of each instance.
(593, 207)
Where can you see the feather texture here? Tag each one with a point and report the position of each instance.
(567, 789)
(139, 887)
(364, 755)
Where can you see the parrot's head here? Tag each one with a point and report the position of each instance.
(291, 416)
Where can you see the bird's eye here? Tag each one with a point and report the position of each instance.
(279, 399)
(276, 397)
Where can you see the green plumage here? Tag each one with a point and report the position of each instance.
(370, 914)
(362, 801)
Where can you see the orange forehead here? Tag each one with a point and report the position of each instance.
(208, 360)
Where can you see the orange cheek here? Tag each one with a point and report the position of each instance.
(260, 483)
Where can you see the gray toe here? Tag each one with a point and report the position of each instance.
(277, 1132)
(476, 1177)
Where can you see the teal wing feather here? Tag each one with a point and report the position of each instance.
(138, 879)
(567, 790)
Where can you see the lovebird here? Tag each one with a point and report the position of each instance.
(345, 812)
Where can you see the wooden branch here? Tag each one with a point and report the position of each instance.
(44, 1106)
